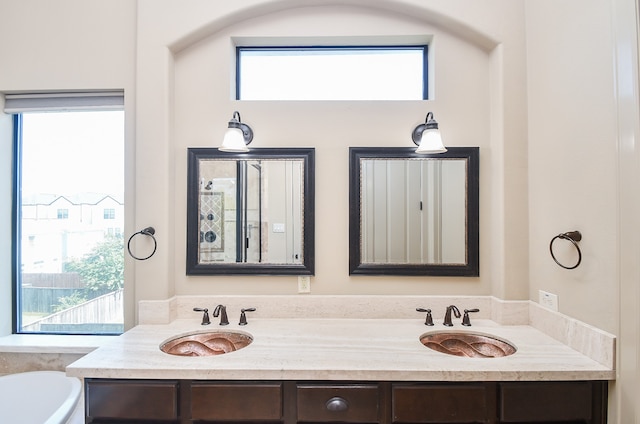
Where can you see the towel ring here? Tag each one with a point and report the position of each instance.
(574, 237)
(149, 231)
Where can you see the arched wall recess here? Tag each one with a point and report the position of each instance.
(196, 72)
(176, 28)
(421, 12)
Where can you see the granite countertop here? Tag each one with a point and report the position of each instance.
(338, 349)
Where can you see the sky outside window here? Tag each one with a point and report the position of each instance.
(393, 73)
(73, 152)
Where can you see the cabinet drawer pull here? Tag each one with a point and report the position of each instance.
(337, 404)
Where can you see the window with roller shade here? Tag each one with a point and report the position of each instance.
(68, 246)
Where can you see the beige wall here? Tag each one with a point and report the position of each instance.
(572, 154)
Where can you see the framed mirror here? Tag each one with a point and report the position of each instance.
(250, 213)
(412, 214)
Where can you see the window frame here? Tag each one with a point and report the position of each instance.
(16, 230)
(16, 217)
(423, 46)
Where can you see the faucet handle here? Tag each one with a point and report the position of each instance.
(205, 316)
(221, 311)
(429, 319)
(243, 316)
(465, 319)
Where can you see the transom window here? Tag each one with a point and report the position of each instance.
(332, 73)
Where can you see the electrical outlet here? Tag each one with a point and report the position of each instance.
(304, 284)
(548, 300)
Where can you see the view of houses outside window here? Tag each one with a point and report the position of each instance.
(71, 222)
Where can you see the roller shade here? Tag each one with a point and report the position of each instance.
(60, 101)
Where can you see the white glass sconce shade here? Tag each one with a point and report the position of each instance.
(234, 141)
(237, 137)
(427, 137)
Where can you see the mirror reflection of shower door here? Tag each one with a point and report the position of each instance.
(252, 202)
(268, 212)
(251, 212)
(248, 211)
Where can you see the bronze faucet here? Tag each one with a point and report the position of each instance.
(447, 315)
(221, 310)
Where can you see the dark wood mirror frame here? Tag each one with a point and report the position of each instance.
(472, 266)
(306, 267)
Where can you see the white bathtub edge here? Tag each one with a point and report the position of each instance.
(66, 410)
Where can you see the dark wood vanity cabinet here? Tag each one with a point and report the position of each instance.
(288, 402)
(335, 402)
(231, 401)
(182, 401)
(443, 403)
(125, 401)
(553, 402)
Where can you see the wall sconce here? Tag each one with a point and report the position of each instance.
(427, 137)
(238, 136)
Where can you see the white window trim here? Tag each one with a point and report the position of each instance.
(60, 101)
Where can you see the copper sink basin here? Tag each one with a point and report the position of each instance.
(470, 345)
(207, 344)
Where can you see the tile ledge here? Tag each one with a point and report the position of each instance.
(50, 343)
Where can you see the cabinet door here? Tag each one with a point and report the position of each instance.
(229, 401)
(564, 401)
(155, 400)
(443, 403)
(350, 403)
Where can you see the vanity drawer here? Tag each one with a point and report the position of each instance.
(442, 402)
(357, 403)
(132, 399)
(569, 401)
(229, 401)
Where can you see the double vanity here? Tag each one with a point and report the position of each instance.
(359, 359)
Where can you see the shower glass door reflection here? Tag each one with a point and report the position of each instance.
(269, 199)
(251, 211)
(250, 201)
